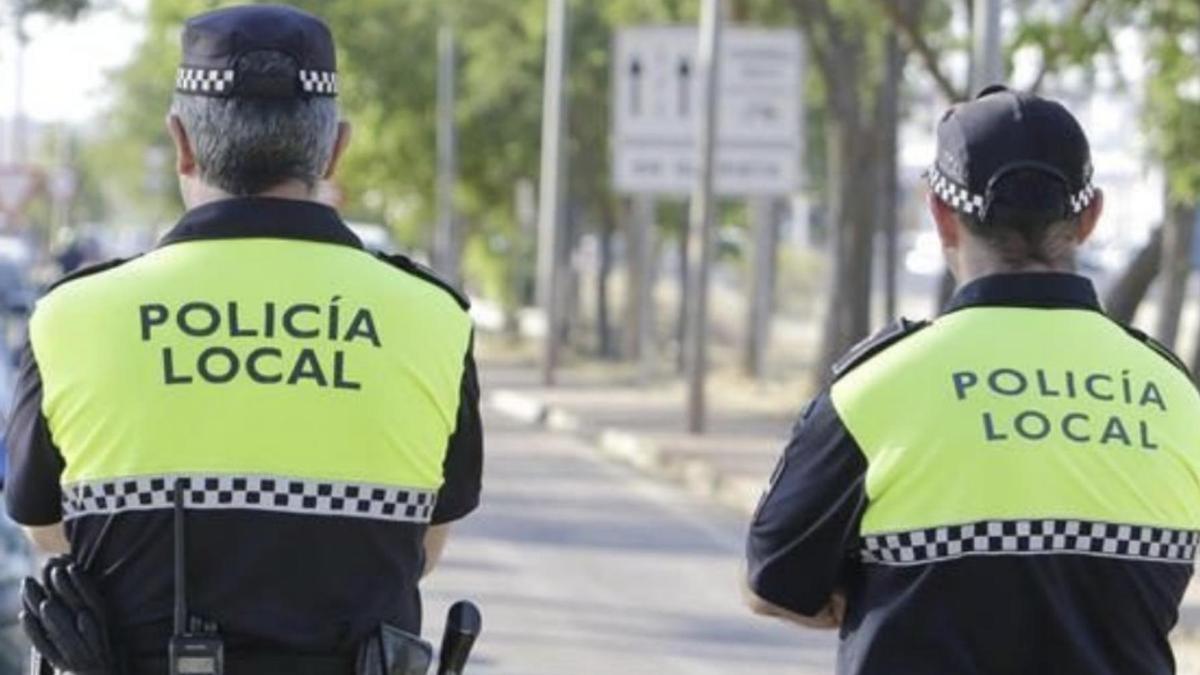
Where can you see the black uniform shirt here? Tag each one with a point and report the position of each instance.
(317, 393)
(1011, 489)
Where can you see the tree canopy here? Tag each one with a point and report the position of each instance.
(387, 54)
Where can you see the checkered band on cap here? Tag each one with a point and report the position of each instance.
(256, 493)
(1082, 199)
(319, 82)
(204, 80)
(957, 197)
(963, 200)
(1032, 537)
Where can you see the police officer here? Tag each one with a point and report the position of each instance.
(1013, 487)
(316, 403)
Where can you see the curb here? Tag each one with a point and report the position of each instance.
(699, 477)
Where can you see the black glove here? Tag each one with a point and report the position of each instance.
(64, 618)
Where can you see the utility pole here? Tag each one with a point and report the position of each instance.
(987, 67)
(987, 57)
(447, 241)
(19, 144)
(553, 185)
(700, 227)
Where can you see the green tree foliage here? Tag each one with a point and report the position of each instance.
(387, 58)
(388, 62)
(1173, 92)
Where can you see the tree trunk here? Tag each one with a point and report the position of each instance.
(604, 342)
(760, 278)
(889, 219)
(572, 293)
(1176, 269)
(639, 292)
(1130, 288)
(853, 162)
(681, 326)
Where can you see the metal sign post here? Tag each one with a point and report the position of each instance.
(987, 58)
(553, 185)
(700, 227)
(61, 186)
(681, 131)
(447, 256)
(18, 185)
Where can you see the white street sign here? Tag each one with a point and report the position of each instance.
(62, 183)
(656, 96)
(18, 185)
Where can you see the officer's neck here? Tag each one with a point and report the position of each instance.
(973, 263)
(199, 194)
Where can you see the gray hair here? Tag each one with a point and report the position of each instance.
(245, 146)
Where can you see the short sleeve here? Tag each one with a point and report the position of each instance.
(31, 490)
(805, 529)
(462, 469)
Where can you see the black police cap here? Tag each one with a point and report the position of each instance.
(215, 44)
(982, 141)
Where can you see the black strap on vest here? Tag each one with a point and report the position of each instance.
(1159, 348)
(417, 269)
(87, 271)
(861, 352)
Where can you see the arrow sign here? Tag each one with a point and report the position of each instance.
(18, 185)
(62, 184)
(656, 94)
(635, 86)
(684, 92)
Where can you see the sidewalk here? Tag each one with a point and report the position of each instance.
(644, 425)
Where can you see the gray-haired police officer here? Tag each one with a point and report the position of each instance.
(312, 407)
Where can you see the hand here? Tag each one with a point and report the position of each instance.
(829, 617)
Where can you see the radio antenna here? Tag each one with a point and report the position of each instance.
(180, 562)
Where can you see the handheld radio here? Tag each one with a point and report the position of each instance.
(195, 647)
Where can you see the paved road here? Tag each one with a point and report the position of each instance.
(584, 567)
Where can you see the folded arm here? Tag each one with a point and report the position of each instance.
(31, 489)
(462, 469)
(805, 530)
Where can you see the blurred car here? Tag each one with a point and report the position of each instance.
(17, 559)
(17, 290)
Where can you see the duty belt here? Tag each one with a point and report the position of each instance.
(261, 663)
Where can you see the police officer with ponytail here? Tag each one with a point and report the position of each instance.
(304, 409)
(1014, 486)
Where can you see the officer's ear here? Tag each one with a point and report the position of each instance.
(339, 147)
(949, 228)
(185, 159)
(1090, 217)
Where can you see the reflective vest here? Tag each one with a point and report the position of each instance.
(316, 403)
(210, 360)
